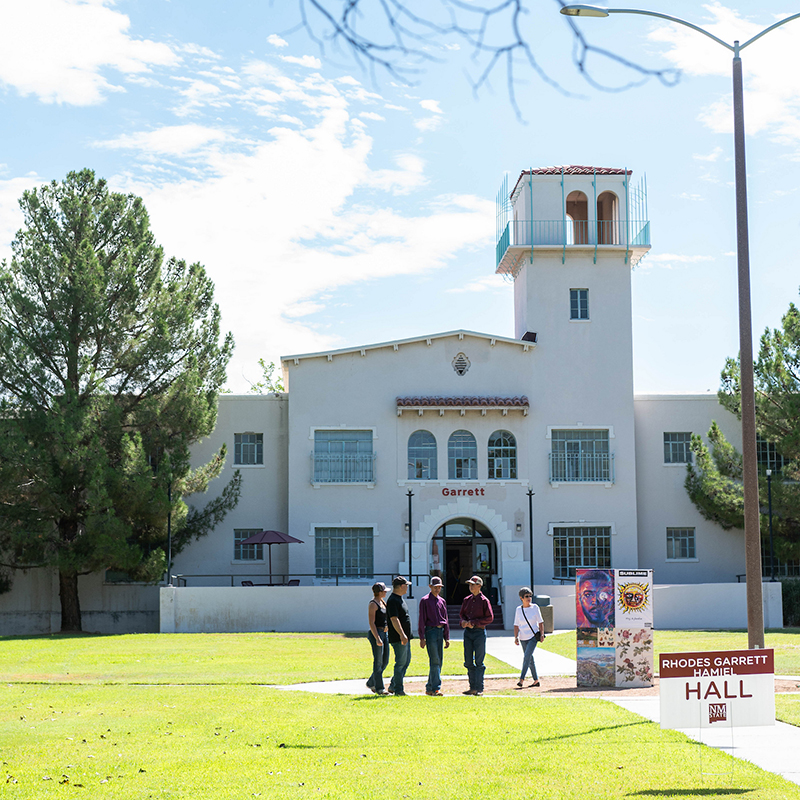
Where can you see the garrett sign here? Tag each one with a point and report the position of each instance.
(731, 687)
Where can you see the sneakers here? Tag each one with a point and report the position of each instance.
(470, 691)
(437, 693)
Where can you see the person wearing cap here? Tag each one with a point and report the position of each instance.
(376, 616)
(476, 613)
(399, 634)
(434, 634)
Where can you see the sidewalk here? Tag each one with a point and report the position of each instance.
(773, 748)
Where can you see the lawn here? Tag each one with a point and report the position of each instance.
(118, 741)
(235, 658)
(113, 734)
(785, 642)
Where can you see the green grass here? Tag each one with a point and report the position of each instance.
(785, 642)
(787, 708)
(235, 658)
(238, 742)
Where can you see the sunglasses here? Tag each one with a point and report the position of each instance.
(527, 595)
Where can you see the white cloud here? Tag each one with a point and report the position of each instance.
(284, 221)
(372, 115)
(171, 140)
(304, 61)
(673, 260)
(428, 124)
(432, 106)
(277, 41)
(712, 156)
(60, 50)
(772, 96)
(10, 213)
(690, 196)
(487, 284)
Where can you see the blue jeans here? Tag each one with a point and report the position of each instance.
(474, 653)
(528, 646)
(402, 658)
(434, 644)
(380, 658)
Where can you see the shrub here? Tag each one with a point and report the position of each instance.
(791, 602)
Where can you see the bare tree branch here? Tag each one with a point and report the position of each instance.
(402, 37)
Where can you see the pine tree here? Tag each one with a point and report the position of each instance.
(110, 364)
(714, 480)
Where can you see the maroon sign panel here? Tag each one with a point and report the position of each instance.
(710, 664)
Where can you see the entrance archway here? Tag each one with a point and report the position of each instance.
(462, 547)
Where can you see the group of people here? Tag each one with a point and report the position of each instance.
(390, 624)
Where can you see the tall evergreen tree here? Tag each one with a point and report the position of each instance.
(110, 364)
(714, 480)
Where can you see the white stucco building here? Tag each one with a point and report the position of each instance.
(465, 425)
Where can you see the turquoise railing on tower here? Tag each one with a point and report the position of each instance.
(559, 232)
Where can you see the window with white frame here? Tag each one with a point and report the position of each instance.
(580, 547)
(462, 456)
(248, 448)
(579, 304)
(422, 456)
(343, 552)
(343, 456)
(680, 544)
(581, 456)
(502, 456)
(246, 552)
(677, 448)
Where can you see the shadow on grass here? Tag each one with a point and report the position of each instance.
(590, 731)
(691, 792)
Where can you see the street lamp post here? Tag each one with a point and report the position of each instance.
(752, 533)
(771, 542)
(531, 493)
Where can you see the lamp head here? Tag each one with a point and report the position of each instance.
(584, 11)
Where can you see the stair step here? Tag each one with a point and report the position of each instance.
(455, 621)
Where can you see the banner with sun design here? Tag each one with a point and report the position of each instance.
(634, 598)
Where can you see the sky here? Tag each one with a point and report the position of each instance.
(336, 205)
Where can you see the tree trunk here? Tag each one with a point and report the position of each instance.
(70, 602)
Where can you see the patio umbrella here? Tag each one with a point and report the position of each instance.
(270, 538)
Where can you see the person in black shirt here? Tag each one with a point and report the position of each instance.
(399, 634)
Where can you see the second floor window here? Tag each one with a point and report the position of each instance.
(422, 457)
(246, 552)
(677, 448)
(579, 304)
(502, 456)
(582, 456)
(462, 456)
(343, 457)
(248, 448)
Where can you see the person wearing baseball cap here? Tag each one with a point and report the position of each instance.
(434, 634)
(476, 613)
(399, 634)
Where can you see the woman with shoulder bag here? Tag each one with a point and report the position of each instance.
(376, 615)
(528, 632)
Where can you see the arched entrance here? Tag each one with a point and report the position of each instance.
(460, 548)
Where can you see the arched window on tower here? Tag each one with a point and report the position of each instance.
(462, 456)
(502, 456)
(578, 212)
(608, 219)
(422, 464)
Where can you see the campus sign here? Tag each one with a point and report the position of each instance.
(614, 622)
(729, 688)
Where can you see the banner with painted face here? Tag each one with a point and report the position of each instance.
(594, 598)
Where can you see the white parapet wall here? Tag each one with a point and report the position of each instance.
(343, 609)
(222, 609)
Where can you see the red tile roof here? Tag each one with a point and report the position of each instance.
(515, 402)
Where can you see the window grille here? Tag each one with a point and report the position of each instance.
(248, 448)
(581, 456)
(677, 448)
(680, 543)
(422, 457)
(502, 456)
(346, 552)
(579, 304)
(343, 457)
(246, 552)
(462, 456)
(580, 547)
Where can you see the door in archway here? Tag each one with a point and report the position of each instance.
(464, 547)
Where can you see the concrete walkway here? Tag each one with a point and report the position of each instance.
(773, 748)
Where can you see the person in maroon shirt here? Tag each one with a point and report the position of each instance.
(434, 633)
(476, 613)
